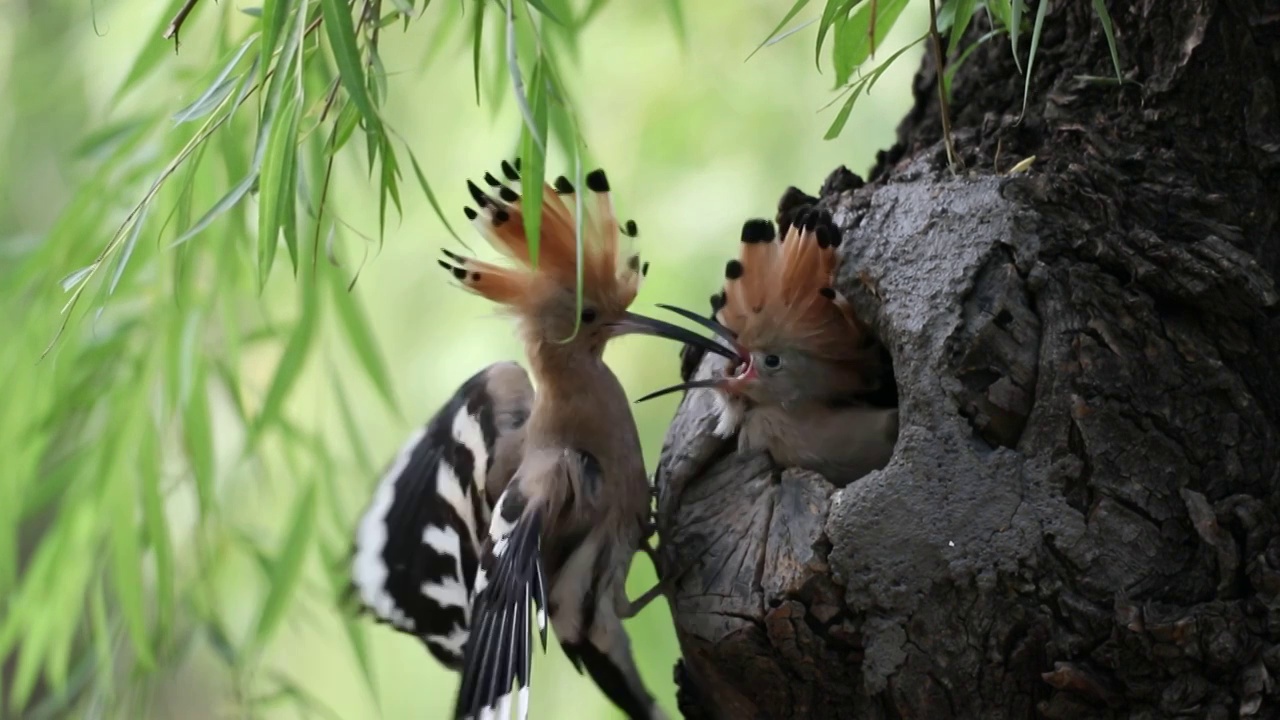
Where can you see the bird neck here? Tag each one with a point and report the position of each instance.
(578, 397)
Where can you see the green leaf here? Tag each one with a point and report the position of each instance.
(546, 12)
(126, 566)
(342, 41)
(964, 13)
(197, 435)
(220, 208)
(477, 34)
(353, 321)
(218, 90)
(853, 38)
(1031, 59)
(834, 9)
(1001, 10)
(157, 525)
(533, 142)
(842, 117)
(431, 196)
(344, 126)
(796, 8)
(276, 196)
(1015, 28)
(1104, 17)
(274, 14)
(287, 566)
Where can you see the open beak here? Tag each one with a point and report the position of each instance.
(743, 369)
(633, 324)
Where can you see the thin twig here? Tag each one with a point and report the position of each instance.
(953, 161)
(175, 25)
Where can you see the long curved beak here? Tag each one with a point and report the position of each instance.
(633, 324)
(712, 383)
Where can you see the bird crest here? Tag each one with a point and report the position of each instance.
(611, 273)
(779, 291)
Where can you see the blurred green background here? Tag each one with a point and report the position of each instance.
(145, 526)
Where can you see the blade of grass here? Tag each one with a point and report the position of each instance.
(1104, 17)
(1015, 28)
(1031, 58)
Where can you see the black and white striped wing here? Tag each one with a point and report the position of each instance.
(511, 591)
(417, 547)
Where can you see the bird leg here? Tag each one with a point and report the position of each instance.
(630, 608)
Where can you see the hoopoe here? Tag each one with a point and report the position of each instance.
(809, 382)
(514, 505)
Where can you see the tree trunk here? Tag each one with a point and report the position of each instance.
(1080, 519)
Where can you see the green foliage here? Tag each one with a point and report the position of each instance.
(150, 418)
(857, 27)
(168, 498)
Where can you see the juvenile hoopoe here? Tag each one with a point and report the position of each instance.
(556, 477)
(808, 383)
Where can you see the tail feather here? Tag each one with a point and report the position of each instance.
(499, 652)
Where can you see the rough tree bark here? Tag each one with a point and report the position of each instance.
(1081, 515)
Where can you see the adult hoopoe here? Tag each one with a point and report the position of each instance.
(514, 505)
(810, 384)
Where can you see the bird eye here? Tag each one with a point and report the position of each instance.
(773, 362)
(588, 315)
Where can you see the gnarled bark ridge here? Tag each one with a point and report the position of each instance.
(1081, 517)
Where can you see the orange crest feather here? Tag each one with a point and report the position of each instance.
(606, 277)
(779, 292)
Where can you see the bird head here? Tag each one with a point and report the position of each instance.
(543, 294)
(795, 338)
